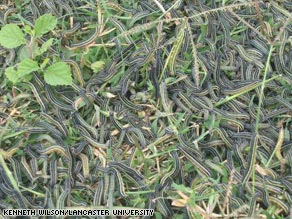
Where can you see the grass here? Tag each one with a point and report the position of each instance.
(173, 97)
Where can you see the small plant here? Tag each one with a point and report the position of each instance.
(31, 54)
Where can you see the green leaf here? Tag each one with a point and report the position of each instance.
(97, 66)
(27, 78)
(58, 74)
(181, 188)
(178, 216)
(154, 125)
(46, 45)
(24, 53)
(150, 85)
(11, 36)
(158, 215)
(26, 67)
(27, 29)
(44, 24)
(204, 28)
(44, 63)
(11, 74)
